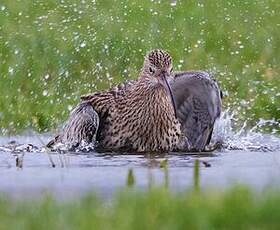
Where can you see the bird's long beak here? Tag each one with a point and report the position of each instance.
(167, 87)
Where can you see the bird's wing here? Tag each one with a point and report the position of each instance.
(103, 101)
(81, 126)
(119, 89)
(198, 104)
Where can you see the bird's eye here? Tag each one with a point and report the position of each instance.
(151, 70)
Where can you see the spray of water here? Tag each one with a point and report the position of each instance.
(232, 137)
(246, 138)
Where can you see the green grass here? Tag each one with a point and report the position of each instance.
(236, 208)
(51, 52)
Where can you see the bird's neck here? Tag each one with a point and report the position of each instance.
(153, 96)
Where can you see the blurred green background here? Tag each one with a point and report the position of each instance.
(236, 208)
(53, 51)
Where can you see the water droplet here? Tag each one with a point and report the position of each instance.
(45, 92)
(173, 3)
(11, 70)
(83, 44)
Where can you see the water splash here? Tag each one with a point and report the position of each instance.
(245, 137)
(83, 147)
(226, 131)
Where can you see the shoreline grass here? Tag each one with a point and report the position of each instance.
(236, 208)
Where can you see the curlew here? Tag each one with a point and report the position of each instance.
(160, 111)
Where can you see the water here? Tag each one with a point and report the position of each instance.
(245, 138)
(248, 157)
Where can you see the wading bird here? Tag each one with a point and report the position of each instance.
(160, 111)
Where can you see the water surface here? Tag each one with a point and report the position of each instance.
(76, 174)
(27, 170)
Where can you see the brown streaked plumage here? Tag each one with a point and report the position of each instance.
(140, 116)
(195, 96)
(198, 104)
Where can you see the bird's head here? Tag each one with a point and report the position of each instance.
(156, 64)
(157, 68)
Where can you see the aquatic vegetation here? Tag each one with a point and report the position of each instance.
(236, 208)
(52, 52)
